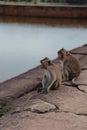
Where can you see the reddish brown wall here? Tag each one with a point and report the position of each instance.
(43, 11)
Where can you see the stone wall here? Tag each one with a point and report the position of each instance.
(44, 11)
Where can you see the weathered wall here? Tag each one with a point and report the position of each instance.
(44, 11)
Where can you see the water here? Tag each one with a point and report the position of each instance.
(24, 44)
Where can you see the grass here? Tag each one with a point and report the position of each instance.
(16, 3)
(33, 2)
(3, 110)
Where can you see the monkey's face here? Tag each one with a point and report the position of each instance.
(45, 62)
(62, 54)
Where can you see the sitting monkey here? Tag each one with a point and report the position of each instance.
(52, 75)
(70, 65)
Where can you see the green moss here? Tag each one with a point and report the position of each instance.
(3, 110)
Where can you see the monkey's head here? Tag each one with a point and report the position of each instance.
(45, 62)
(62, 54)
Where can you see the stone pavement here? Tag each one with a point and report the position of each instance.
(62, 109)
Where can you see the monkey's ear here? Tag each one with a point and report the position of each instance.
(59, 51)
(62, 49)
(46, 59)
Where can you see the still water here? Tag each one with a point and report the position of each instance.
(24, 43)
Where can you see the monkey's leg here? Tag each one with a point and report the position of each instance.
(51, 81)
(65, 74)
(44, 84)
(47, 83)
(57, 84)
(54, 86)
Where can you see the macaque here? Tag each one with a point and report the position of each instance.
(52, 75)
(70, 65)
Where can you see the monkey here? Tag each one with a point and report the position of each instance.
(52, 75)
(70, 66)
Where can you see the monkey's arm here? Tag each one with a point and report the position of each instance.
(44, 81)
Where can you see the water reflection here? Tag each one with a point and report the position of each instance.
(46, 21)
(24, 43)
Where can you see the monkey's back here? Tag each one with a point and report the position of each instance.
(73, 66)
(57, 70)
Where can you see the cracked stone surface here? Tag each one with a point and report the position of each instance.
(82, 79)
(40, 106)
(63, 109)
(83, 88)
(36, 105)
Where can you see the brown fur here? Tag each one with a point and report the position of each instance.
(70, 64)
(52, 75)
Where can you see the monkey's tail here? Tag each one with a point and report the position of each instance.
(77, 84)
(83, 69)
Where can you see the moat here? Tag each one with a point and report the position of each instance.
(25, 41)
